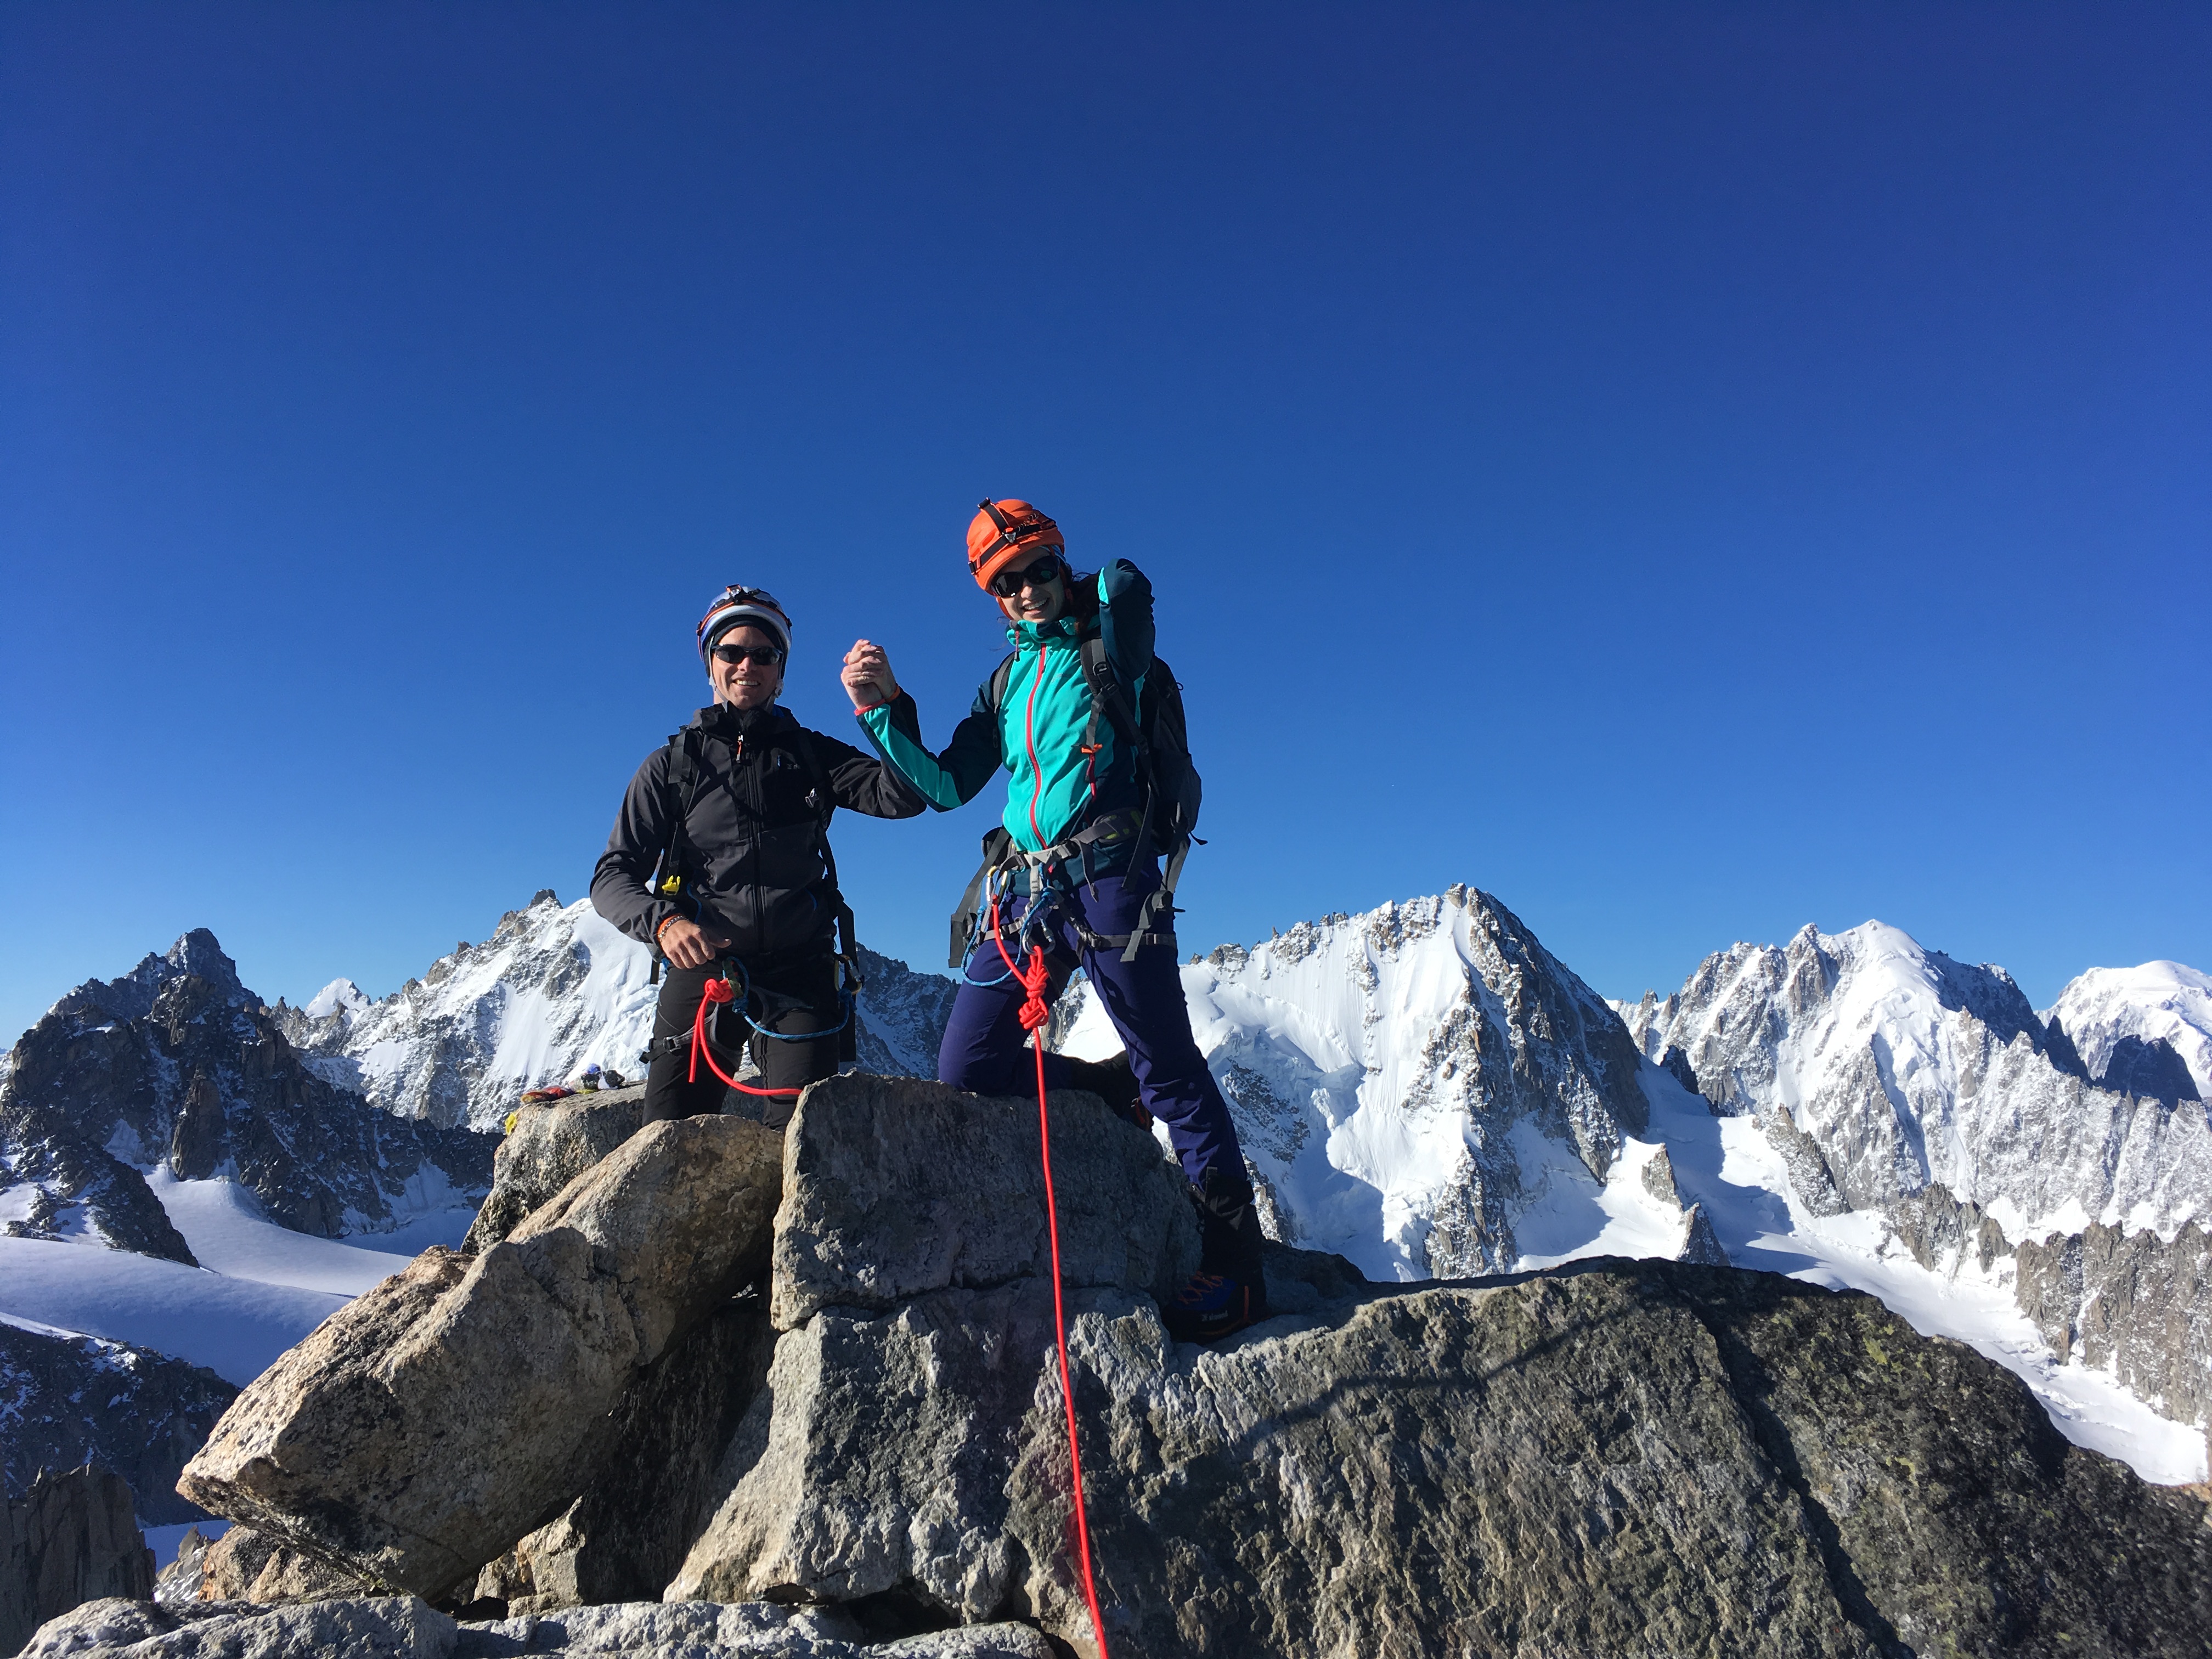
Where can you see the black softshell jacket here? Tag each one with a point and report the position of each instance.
(754, 869)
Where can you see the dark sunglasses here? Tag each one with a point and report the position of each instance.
(768, 656)
(1007, 583)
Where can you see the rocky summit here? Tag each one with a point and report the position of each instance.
(702, 1400)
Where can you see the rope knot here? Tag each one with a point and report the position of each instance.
(1035, 1012)
(720, 990)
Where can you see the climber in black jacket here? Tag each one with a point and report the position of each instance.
(740, 870)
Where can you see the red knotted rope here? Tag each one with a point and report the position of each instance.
(719, 990)
(1035, 1013)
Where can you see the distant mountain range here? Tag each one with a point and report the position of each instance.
(554, 991)
(1423, 1088)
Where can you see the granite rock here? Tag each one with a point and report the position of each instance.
(433, 1421)
(549, 1146)
(894, 1187)
(71, 1540)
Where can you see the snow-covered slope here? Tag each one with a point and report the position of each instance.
(555, 990)
(1423, 1088)
(1904, 1068)
(2157, 1002)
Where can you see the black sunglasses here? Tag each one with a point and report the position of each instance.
(768, 656)
(1007, 583)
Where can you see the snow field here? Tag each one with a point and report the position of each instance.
(259, 1289)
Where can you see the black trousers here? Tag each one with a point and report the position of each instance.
(794, 997)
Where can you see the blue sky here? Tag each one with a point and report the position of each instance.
(1688, 470)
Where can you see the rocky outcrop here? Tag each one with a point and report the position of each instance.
(179, 1065)
(434, 1420)
(70, 1399)
(894, 1187)
(545, 1148)
(72, 1539)
(2130, 1303)
(1943, 1233)
(1612, 1458)
(402, 1627)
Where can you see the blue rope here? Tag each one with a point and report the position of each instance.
(744, 999)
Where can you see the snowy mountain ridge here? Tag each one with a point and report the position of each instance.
(1404, 1080)
(1906, 1069)
(555, 989)
(2113, 1015)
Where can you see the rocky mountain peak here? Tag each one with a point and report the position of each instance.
(177, 1065)
(196, 955)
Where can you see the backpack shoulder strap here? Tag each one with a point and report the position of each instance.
(994, 691)
(682, 772)
(1109, 699)
(825, 808)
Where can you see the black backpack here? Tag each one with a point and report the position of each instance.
(1158, 738)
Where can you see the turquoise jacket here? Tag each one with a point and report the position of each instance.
(1035, 731)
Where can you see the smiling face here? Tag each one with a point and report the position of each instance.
(749, 683)
(1038, 601)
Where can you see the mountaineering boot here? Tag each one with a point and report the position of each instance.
(1229, 1291)
(1114, 1082)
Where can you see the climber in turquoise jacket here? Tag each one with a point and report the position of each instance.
(1036, 728)
(1069, 875)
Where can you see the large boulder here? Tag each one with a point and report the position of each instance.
(545, 1148)
(402, 1627)
(653, 1485)
(1611, 1458)
(72, 1539)
(895, 1187)
(434, 1420)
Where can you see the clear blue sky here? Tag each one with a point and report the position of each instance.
(1690, 471)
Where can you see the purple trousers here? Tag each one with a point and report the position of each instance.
(984, 1042)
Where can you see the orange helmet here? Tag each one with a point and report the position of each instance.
(1000, 531)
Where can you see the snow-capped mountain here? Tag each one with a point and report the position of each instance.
(1410, 1083)
(2131, 1025)
(1914, 1110)
(176, 1070)
(1427, 1089)
(554, 991)
(1905, 1068)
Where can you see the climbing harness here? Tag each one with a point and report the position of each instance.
(717, 992)
(1035, 1013)
(1158, 736)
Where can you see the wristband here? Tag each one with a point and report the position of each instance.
(673, 915)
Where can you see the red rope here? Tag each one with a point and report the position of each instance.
(719, 990)
(1034, 1015)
